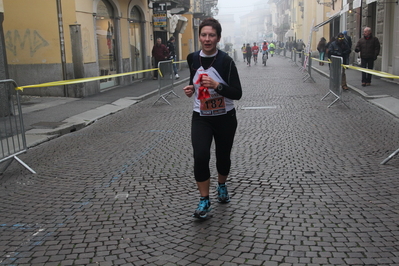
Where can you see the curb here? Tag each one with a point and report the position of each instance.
(74, 123)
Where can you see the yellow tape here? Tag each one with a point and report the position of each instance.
(320, 60)
(83, 80)
(374, 72)
(366, 70)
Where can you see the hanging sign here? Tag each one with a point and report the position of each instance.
(159, 16)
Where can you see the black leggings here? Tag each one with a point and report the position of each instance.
(203, 129)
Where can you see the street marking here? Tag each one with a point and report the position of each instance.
(122, 195)
(259, 107)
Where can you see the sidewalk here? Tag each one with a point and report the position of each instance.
(382, 92)
(46, 118)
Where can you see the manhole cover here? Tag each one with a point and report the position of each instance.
(48, 124)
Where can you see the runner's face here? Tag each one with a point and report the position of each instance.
(209, 40)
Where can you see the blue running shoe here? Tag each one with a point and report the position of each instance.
(204, 206)
(223, 195)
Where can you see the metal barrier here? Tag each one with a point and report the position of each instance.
(12, 130)
(390, 157)
(293, 57)
(335, 79)
(165, 80)
(307, 68)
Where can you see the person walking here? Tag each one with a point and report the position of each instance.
(348, 39)
(255, 51)
(159, 53)
(332, 39)
(172, 54)
(299, 47)
(215, 84)
(244, 52)
(248, 53)
(271, 48)
(369, 48)
(341, 49)
(321, 47)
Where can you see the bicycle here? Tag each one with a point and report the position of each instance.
(264, 58)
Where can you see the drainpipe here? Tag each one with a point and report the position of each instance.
(62, 44)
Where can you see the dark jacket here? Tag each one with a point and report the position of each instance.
(322, 46)
(368, 48)
(249, 51)
(340, 49)
(160, 52)
(171, 48)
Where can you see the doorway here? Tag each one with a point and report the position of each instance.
(105, 34)
(136, 26)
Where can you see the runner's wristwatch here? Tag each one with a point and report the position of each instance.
(219, 87)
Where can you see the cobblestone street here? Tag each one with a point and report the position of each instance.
(306, 186)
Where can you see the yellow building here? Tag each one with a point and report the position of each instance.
(67, 39)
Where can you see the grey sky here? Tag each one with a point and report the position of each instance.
(236, 7)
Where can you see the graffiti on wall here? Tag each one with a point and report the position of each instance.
(87, 49)
(31, 40)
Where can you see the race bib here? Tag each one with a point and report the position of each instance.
(213, 106)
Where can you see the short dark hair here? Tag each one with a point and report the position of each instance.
(171, 38)
(214, 23)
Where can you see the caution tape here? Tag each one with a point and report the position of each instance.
(366, 70)
(83, 80)
(373, 72)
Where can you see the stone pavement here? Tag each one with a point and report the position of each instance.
(306, 184)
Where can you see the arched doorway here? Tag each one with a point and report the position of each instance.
(105, 34)
(136, 41)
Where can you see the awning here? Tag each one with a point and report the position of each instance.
(177, 23)
(327, 21)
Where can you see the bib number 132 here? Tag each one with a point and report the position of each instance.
(213, 104)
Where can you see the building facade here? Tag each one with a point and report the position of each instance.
(313, 19)
(59, 40)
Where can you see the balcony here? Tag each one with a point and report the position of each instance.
(205, 8)
(280, 29)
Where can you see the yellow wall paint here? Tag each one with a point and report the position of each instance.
(34, 40)
(187, 38)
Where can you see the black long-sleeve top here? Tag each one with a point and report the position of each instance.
(228, 72)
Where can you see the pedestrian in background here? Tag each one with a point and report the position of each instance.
(244, 51)
(248, 53)
(348, 39)
(172, 54)
(215, 84)
(299, 47)
(332, 39)
(369, 48)
(271, 48)
(341, 49)
(159, 53)
(321, 47)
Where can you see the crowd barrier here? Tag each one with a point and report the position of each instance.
(166, 79)
(84, 80)
(335, 77)
(12, 130)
